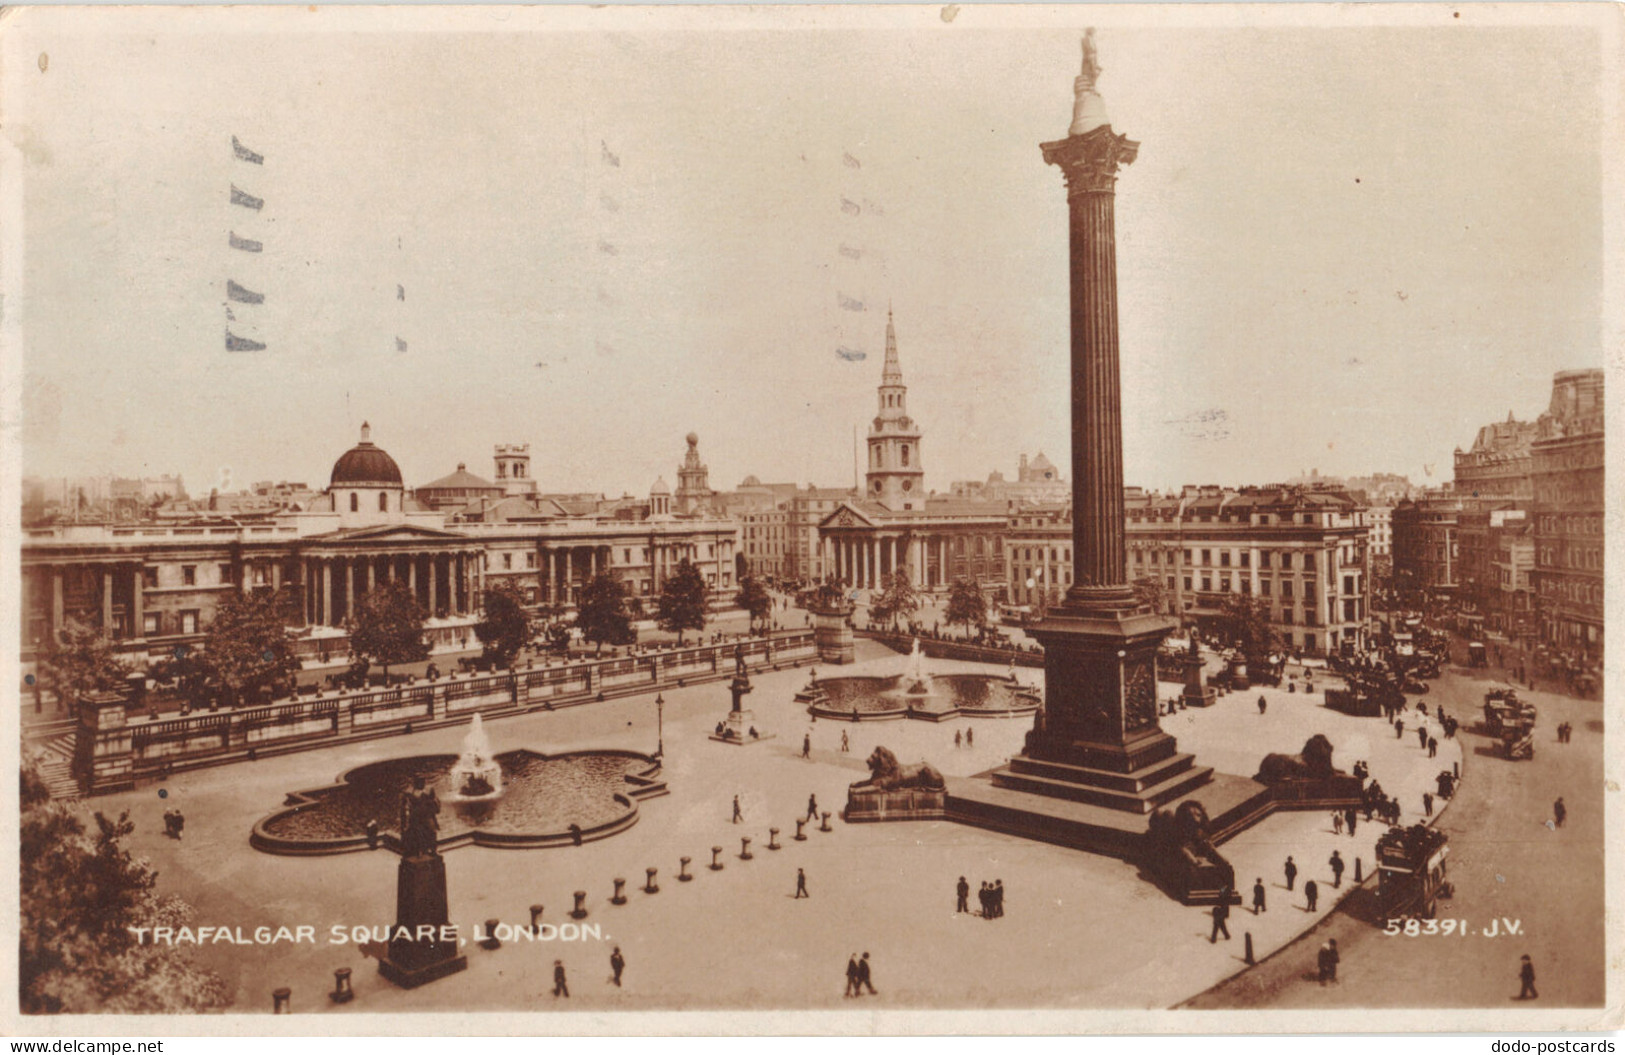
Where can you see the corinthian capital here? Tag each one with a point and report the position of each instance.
(1091, 160)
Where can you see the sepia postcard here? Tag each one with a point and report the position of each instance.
(822, 520)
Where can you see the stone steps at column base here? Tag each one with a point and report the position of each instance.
(1185, 779)
(1136, 780)
(1232, 804)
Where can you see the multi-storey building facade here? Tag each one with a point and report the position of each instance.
(1427, 549)
(155, 584)
(1494, 472)
(1304, 552)
(1569, 507)
(1379, 522)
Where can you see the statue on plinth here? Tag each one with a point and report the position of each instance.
(420, 823)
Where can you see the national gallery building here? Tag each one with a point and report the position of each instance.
(155, 584)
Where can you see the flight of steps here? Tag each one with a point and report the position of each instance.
(1140, 791)
(56, 766)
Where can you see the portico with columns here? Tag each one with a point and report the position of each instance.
(864, 542)
(442, 569)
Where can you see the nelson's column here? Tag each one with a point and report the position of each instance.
(1096, 764)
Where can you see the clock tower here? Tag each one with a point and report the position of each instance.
(896, 478)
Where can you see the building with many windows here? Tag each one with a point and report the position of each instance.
(1569, 506)
(156, 584)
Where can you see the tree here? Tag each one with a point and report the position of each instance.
(247, 648)
(897, 599)
(1245, 621)
(505, 628)
(1149, 590)
(78, 660)
(601, 612)
(754, 598)
(81, 893)
(966, 604)
(388, 627)
(682, 600)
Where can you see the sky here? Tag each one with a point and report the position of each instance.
(1339, 248)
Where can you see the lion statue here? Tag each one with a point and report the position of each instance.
(1314, 763)
(887, 774)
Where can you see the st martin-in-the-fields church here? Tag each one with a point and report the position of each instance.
(898, 526)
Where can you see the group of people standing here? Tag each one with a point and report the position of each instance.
(991, 896)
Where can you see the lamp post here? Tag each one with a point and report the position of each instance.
(660, 720)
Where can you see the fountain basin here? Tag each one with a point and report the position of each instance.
(542, 797)
(869, 699)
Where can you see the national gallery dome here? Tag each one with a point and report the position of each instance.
(365, 465)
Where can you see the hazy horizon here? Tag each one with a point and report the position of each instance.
(1344, 249)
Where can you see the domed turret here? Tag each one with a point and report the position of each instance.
(366, 485)
(365, 465)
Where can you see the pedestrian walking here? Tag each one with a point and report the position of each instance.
(1399, 728)
(1422, 735)
(812, 807)
(1291, 870)
(1560, 813)
(1433, 747)
(846, 746)
(970, 737)
(1351, 817)
(1221, 913)
(1526, 975)
(1427, 803)
(560, 986)
(963, 890)
(806, 745)
(865, 978)
(1333, 958)
(1323, 959)
(852, 976)
(617, 963)
(1336, 861)
(1258, 896)
(801, 884)
(1311, 893)
(738, 815)
(1262, 703)
(1337, 823)
(984, 897)
(957, 738)
(996, 897)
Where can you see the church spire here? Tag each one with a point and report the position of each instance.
(892, 374)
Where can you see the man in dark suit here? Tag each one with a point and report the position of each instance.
(1526, 975)
(560, 987)
(1221, 913)
(1258, 896)
(1291, 871)
(1311, 892)
(852, 976)
(964, 895)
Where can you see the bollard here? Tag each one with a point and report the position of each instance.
(649, 885)
(825, 826)
(682, 873)
(744, 848)
(773, 839)
(1248, 955)
(801, 836)
(342, 993)
(280, 999)
(491, 941)
(580, 911)
(535, 917)
(619, 897)
(1357, 876)
(716, 858)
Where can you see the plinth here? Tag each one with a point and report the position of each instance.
(736, 728)
(422, 947)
